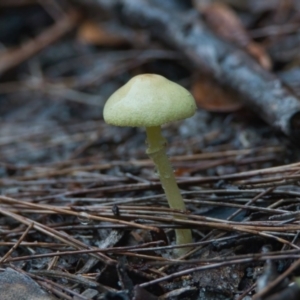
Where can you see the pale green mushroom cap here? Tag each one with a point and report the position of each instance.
(148, 100)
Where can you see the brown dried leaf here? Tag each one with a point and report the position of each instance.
(225, 23)
(212, 97)
(259, 53)
(96, 34)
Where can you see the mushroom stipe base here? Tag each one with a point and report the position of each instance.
(157, 152)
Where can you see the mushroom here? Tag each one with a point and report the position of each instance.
(151, 100)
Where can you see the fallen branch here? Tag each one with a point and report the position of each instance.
(259, 89)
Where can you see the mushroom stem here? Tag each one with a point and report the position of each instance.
(157, 152)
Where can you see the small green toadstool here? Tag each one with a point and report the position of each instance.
(151, 100)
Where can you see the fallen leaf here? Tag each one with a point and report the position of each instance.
(99, 34)
(226, 24)
(212, 97)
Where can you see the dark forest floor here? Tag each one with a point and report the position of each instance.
(82, 212)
